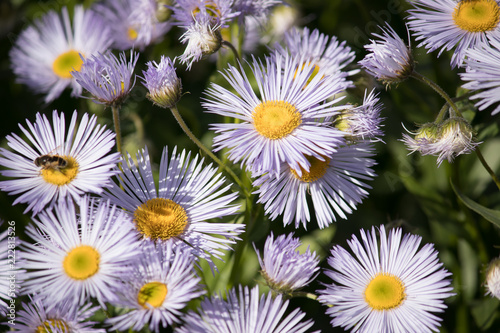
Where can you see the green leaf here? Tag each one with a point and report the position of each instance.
(489, 214)
(484, 312)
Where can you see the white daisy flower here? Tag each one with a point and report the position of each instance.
(77, 258)
(188, 196)
(52, 165)
(284, 268)
(386, 286)
(45, 54)
(161, 283)
(245, 311)
(43, 315)
(133, 23)
(284, 122)
(493, 278)
(334, 183)
(448, 24)
(483, 74)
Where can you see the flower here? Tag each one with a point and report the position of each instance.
(284, 123)
(161, 283)
(244, 312)
(134, 23)
(45, 53)
(453, 137)
(392, 286)
(334, 183)
(108, 79)
(188, 195)
(43, 315)
(202, 39)
(389, 60)
(58, 166)
(483, 74)
(493, 278)
(259, 10)
(76, 258)
(362, 122)
(215, 13)
(448, 24)
(283, 267)
(164, 87)
(313, 47)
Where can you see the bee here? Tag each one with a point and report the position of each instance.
(48, 161)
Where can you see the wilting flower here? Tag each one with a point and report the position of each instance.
(335, 185)
(43, 315)
(284, 268)
(484, 74)
(133, 23)
(160, 284)
(386, 286)
(164, 86)
(188, 196)
(108, 79)
(285, 123)
(79, 257)
(59, 165)
(46, 53)
(244, 312)
(448, 24)
(389, 60)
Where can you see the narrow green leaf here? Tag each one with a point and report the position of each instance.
(489, 214)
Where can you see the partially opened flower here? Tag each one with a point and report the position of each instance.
(108, 79)
(164, 86)
(52, 164)
(161, 283)
(284, 122)
(46, 53)
(283, 267)
(386, 285)
(483, 74)
(335, 185)
(244, 311)
(389, 60)
(493, 278)
(44, 315)
(448, 24)
(133, 23)
(77, 257)
(188, 195)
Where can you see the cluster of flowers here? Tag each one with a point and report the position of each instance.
(134, 243)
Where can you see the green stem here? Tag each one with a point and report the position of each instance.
(438, 89)
(116, 122)
(487, 167)
(231, 46)
(207, 151)
(305, 294)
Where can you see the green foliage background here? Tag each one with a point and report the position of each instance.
(410, 191)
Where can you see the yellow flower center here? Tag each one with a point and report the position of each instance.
(211, 9)
(81, 262)
(52, 326)
(53, 174)
(315, 71)
(152, 293)
(477, 15)
(66, 63)
(316, 171)
(132, 33)
(275, 119)
(385, 292)
(160, 218)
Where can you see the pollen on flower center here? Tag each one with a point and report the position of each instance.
(316, 171)
(61, 176)
(67, 62)
(477, 15)
(51, 326)
(152, 293)
(160, 218)
(275, 119)
(81, 262)
(385, 292)
(132, 33)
